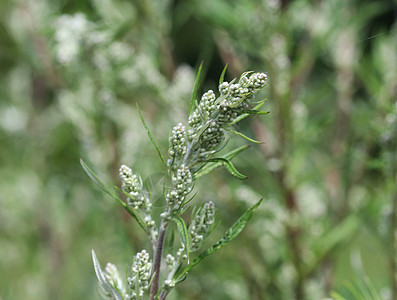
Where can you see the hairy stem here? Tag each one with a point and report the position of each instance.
(157, 260)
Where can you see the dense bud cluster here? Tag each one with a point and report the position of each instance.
(177, 144)
(132, 185)
(207, 122)
(140, 276)
(210, 139)
(182, 183)
(170, 262)
(194, 123)
(201, 225)
(207, 104)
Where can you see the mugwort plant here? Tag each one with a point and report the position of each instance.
(192, 153)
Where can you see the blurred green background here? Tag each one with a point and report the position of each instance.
(71, 73)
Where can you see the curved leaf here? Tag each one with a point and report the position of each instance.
(245, 137)
(229, 166)
(209, 167)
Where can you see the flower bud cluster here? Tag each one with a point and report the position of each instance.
(177, 144)
(114, 278)
(205, 133)
(207, 104)
(201, 225)
(182, 184)
(206, 124)
(132, 185)
(170, 262)
(140, 275)
(210, 139)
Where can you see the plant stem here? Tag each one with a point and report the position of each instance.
(163, 294)
(157, 260)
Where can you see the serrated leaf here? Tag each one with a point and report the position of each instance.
(231, 234)
(229, 166)
(104, 283)
(99, 183)
(245, 137)
(193, 100)
(151, 137)
(222, 77)
(209, 167)
(180, 224)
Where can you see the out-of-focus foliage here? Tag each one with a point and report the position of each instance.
(71, 73)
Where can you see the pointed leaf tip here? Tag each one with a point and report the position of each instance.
(229, 166)
(193, 100)
(151, 136)
(222, 77)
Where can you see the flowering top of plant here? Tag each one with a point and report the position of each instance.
(191, 154)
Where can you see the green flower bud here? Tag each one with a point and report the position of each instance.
(201, 225)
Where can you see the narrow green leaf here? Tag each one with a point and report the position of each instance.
(107, 288)
(96, 179)
(245, 137)
(337, 296)
(356, 292)
(180, 224)
(99, 183)
(243, 116)
(256, 112)
(332, 239)
(231, 234)
(209, 167)
(222, 77)
(360, 289)
(374, 293)
(193, 100)
(337, 235)
(229, 166)
(132, 211)
(151, 137)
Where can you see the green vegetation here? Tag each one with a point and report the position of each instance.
(73, 74)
